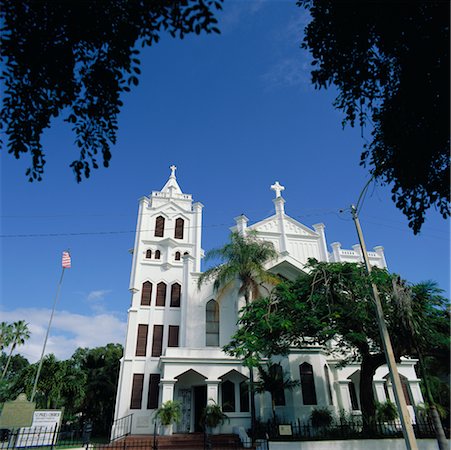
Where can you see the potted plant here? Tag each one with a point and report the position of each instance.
(321, 417)
(168, 413)
(213, 416)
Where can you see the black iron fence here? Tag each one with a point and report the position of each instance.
(343, 429)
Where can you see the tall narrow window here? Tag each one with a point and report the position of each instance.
(141, 341)
(328, 386)
(177, 256)
(157, 254)
(173, 337)
(157, 341)
(212, 324)
(175, 294)
(228, 396)
(154, 391)
(159, 226)
(161, 294)
(178, 234)
(353, 396)
(307, 384)
(279, 393)
(146, 293)
(137, 391)
(149, 254)
(406, 390)
(244, 396)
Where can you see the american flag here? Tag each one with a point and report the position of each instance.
(66, 260)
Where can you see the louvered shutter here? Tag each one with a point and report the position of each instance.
(141, 341)
(137, 391)
(161, 294)
(175, 294)
(157, 342)
(146, 293)
(154, 390)
(173, 339)
(159, 226)
(178, 234)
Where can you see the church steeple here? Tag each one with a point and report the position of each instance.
(171, 186)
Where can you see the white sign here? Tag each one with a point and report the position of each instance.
(43, 429)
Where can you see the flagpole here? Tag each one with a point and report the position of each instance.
(47, 335)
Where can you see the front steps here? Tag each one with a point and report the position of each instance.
(192, 441)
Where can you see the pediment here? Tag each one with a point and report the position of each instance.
(292, 226)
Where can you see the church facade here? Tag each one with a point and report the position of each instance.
(176, 331)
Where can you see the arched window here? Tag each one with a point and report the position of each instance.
(175, 295)
(307, 384)
(159, 226)
(353, 396)
(177, 256)
(228, 396)
(157, 254)
(146, 293)
(328, 386)
(161, 294)
(279, 393)
(149, 254)
(244, 396)
(404, 385)
(212, 324)
(178, 233)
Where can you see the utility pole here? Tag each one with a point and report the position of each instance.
(406, 423)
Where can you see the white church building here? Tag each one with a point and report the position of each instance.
(175, 333)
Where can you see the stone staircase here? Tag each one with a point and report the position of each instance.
(192, 441)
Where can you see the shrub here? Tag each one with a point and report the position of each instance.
(321, 417)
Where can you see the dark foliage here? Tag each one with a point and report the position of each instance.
(77, 58)
(390, 63)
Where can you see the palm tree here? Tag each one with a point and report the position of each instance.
(416, 308)
(243, 260)
(5, 334)
(20, 334)
(274, 380)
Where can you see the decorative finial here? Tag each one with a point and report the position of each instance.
(173, 169)
(278, 189)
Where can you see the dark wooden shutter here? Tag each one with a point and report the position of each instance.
(244, 396)
(177, 256)
(149, 254)
(154, 391)
(137, 391)
(161, 294)
(307, 384)
(157, 342)
(175, 294)
(173, 339)
(141, 341)
(159, 226)
(178, 234)
(157, 254)
(146, 293)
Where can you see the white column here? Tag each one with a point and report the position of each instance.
(319, 228)
(336, 247)
(143, 202)
(344, 395)
(380, 252)
(212, 391)
(197, 208)
(280, 212)
(241, 224)
(167, 390)
(380, 391)
(358, 251)
(188, 262)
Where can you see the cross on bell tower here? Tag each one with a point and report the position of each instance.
(277, 188)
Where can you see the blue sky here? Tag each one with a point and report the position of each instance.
(235, 113)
